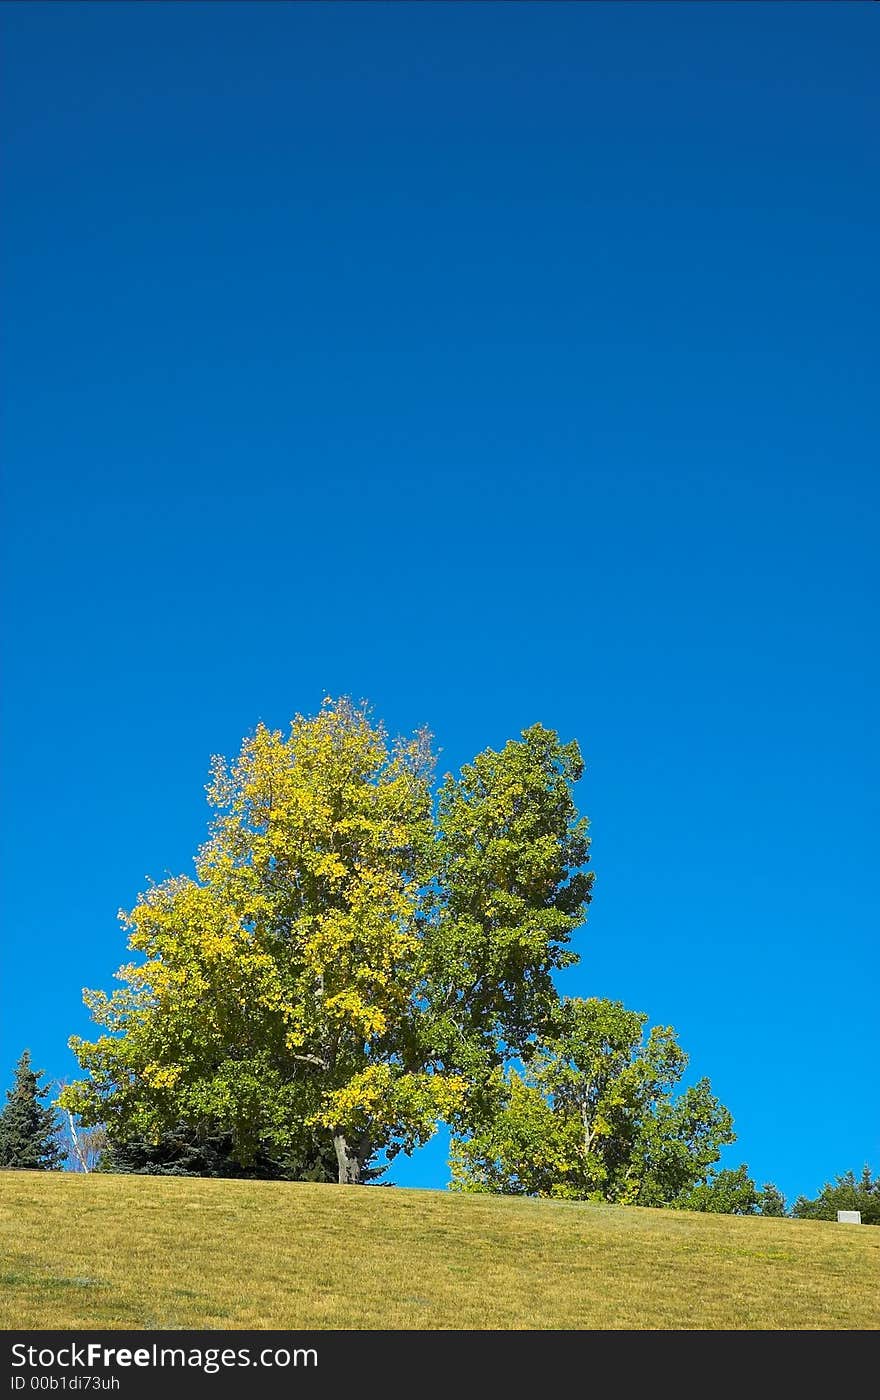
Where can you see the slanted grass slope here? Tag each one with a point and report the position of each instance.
(143, 1252)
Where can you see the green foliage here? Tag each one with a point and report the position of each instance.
(724, 1193)
(343, 963)
(593, 1116)
(513, 890)
(847, 1192)
(771, 1201)
(28, 1129)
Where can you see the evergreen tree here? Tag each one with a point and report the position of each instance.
(847, 1192)
(188, 1151)
(28, 1130)
(771, 1200)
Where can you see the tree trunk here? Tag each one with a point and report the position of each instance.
(77, 1150)
(349, 1155)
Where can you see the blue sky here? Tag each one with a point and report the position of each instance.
(497, 363)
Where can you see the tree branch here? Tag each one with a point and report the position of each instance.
(311, 1060)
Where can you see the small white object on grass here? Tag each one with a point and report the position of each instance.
(849, 1217)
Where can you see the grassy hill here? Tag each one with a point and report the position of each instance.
(133, 1252)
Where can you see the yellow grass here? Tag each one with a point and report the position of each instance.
(145, 1252)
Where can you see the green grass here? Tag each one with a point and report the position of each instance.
(144, 1252)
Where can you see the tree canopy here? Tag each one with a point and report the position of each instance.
(594, 1115)
(344, 961)
(771, 1200)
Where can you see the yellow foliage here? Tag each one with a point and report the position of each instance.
(162, 1076)
(296, 946)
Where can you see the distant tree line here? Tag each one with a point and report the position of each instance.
(362, 955)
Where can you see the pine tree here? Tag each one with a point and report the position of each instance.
(28, 1129)
(187, 1151)
(771, 1200)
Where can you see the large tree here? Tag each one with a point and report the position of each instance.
(341, 962)
(28, 1128)
(595, 1116)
